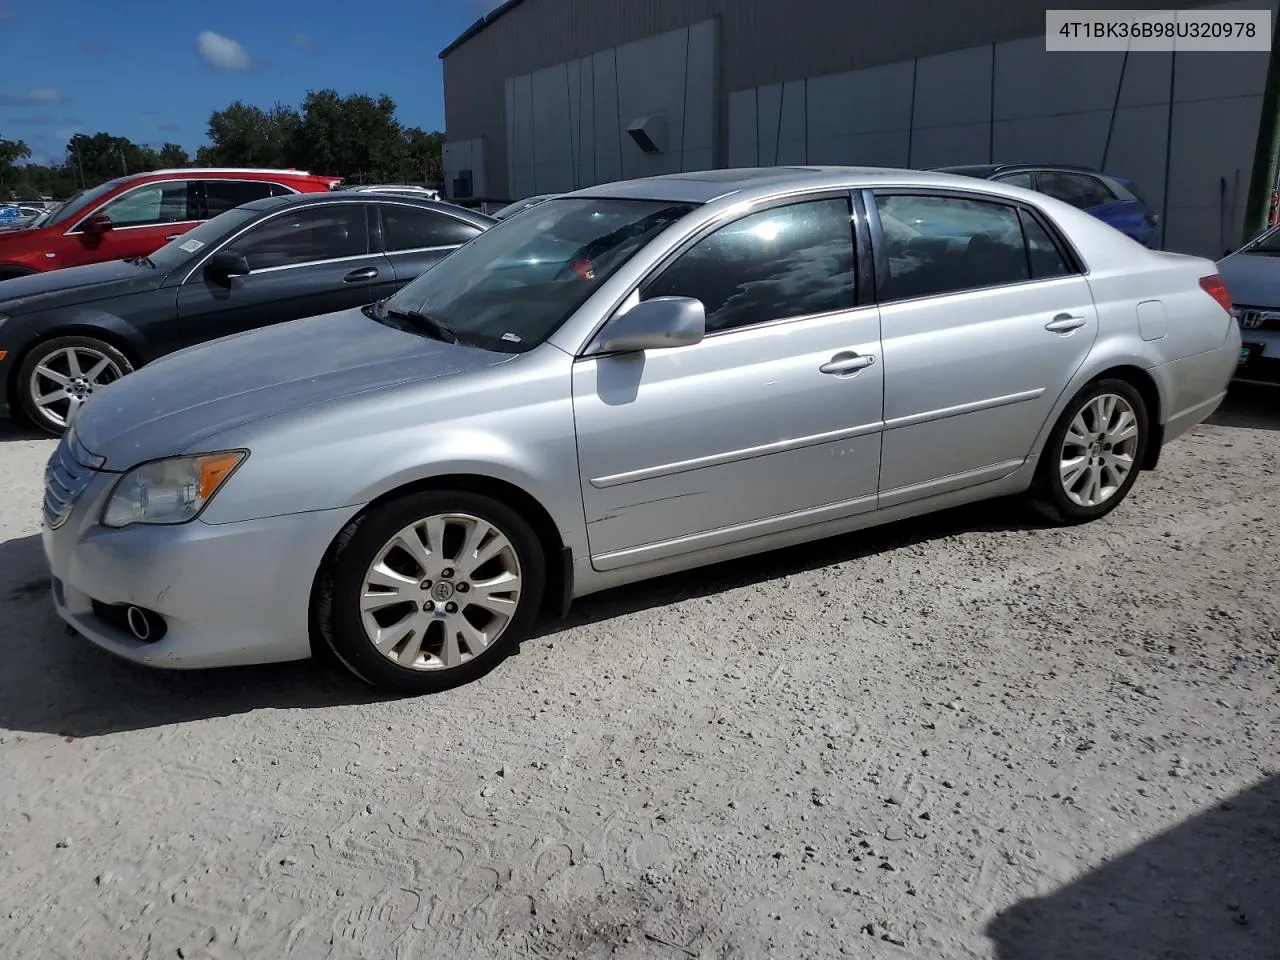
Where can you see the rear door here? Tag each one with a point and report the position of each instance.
(417, 238)
(985, 316)
(303, 261)
(143, 219)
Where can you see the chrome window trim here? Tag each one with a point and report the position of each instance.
(280, 213)
(153, 183)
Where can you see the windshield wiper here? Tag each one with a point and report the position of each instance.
(431, 325)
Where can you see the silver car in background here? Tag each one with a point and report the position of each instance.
(623, 382)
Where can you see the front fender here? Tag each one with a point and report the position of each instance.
(347, 454)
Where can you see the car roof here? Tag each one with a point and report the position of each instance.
(351, 196)
(705, 186)
(239, 173)
(984, 170)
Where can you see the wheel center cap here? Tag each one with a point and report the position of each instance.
(1095, 449)
(441, 591)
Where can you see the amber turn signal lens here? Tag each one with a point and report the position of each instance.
(214, 468)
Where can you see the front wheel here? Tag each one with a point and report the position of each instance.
(431, 591)
(60, 374)
(1093, 454)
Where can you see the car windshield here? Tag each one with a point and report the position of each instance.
(514, 285)
(197, 241)
(78, 203)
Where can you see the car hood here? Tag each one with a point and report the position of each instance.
(175, 404)
(1253, 279)
(59, 288)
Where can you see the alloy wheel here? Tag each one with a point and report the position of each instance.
(66, 378)
(1099, 450)
(440, 592)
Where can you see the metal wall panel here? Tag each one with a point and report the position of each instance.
(761, 42)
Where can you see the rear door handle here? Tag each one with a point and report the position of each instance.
(364, 273)
(1065, 323)
(847, 362)
(172, 236)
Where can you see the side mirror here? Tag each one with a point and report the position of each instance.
(224, 265)
(654, 325)
(98, 224)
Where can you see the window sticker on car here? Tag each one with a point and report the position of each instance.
(191, 246)
(511, 337)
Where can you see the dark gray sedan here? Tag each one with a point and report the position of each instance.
(66, 333)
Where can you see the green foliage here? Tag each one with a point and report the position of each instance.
(356, 137)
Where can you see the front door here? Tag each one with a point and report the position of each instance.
(770, 423)
(303, 262)
(985, 319)
(142, 221)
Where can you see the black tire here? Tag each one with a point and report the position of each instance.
(342, 583)
(1049, 494)
(10, 273)
(51, 419)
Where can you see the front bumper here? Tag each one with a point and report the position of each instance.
(229, 594)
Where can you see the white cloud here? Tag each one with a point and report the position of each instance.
(221, 52)
(36, 96)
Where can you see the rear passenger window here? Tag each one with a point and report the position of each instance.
(938, 245)
(789, 261)
(1017, 180)
(413, 228)
(1076, 189)
(1045, 257)
(222, 195)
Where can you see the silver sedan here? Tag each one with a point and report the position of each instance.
(622, 382)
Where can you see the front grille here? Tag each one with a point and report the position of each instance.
(64, 480)
(1256, 318)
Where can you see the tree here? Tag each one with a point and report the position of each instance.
(355, 136)
(11, 151)
(103, 157)
(243, 135)
(171, 155)
(424, 155)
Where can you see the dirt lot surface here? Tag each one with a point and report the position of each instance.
(966, 736)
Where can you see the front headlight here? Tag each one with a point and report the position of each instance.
(173, 490)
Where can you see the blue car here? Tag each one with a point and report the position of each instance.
(1111, 199)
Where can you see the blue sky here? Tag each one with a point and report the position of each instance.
(154, 71)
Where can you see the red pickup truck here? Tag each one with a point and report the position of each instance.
(134, 215)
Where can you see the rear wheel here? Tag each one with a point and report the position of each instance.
(1091, 459)
(60, 374)
(431, 591)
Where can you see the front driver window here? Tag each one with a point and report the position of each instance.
(789, 261)
(328, 232)
(152, 205)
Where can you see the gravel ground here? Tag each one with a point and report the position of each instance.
(966, 736)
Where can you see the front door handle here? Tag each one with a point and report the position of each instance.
(172, 236)
(1065, 323)
(357, 276)
(847, 362)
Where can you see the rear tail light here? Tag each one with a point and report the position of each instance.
(1216, 287)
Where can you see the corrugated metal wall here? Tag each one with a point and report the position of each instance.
(761, 42)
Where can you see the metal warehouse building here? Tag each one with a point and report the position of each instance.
(551, 95)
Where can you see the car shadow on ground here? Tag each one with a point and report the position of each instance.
(52, 681)
(1207, 889)
(11, 430)
(1249, 406)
